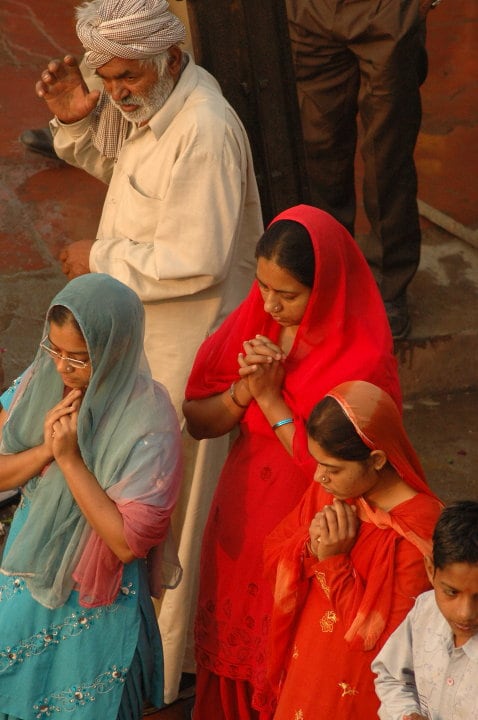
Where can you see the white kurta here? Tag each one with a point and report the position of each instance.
(179, 226)
(421, 671)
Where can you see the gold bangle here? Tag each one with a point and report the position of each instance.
(308, 545)
(234, 398)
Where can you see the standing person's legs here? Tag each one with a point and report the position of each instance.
(327, 77)
(390, 110)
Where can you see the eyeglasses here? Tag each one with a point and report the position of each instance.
(58, 356)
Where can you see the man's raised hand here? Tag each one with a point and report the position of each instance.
(64, 90)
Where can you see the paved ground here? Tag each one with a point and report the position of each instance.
(46, 204)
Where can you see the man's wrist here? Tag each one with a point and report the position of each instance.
(57, 122)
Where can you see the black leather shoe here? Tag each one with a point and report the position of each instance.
(39, 141)
(398, 317)
(187, 686)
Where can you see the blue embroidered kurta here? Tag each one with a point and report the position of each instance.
(71, 661)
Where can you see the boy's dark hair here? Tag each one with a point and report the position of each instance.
(455, 538)
(330, 427)
(288, 244)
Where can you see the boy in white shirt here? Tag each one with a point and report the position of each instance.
(428, 668)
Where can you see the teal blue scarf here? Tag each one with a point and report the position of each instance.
(118, 409)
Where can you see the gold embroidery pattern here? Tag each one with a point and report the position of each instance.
(322, 582)
(347, 689)
(295, 652)
(13, 587)
(299, 715)
(72, 625)
(78, 696)
(328, 621)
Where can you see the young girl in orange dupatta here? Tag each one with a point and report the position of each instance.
(314, 318)
(348, 562)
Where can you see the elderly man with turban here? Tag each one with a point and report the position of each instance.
(179, 224)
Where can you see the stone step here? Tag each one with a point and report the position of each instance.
(444, 431)
(441, 353)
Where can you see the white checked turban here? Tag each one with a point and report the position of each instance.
(128, 29)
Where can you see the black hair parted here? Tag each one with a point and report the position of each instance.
(288, 244)
(455, 538)
(61, 315)
(330, 427)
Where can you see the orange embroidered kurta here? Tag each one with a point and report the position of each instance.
(328, 677)
(331, 617)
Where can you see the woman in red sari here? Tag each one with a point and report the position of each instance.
(347, 563)
(312, 319)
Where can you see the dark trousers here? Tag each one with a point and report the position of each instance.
(366, 57)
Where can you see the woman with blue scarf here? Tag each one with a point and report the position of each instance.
(94, 444)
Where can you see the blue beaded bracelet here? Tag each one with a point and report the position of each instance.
(279, 424)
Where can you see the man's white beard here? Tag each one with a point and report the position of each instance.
(150, 103)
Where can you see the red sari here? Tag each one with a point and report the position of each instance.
(343, 335)
(331, 617)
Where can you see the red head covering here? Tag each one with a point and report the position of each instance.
(377, 421)
(343, 335)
